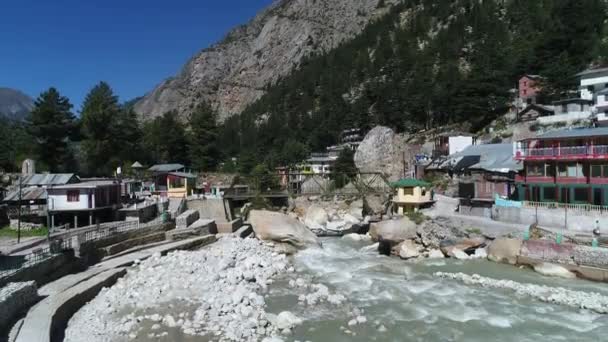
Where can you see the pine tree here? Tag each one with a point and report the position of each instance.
(165, 140)
(51, 124)
(203, 145)
(101, 130)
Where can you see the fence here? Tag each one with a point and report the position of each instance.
(13, 264)
(62, 242)
(597, 209)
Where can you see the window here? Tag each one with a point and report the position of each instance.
(408, 191)
(572, 170)
(423, 191)
(536, 170)
(525, 92)
(596, 171)
(549, 194)
(73, 196)
(581, 195)
(562, 170)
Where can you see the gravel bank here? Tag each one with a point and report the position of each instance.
(558, 295)
(223, 283)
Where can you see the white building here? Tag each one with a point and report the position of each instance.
(592, 81)
(90, 200)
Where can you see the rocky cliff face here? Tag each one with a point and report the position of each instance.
(14, 104)
(234, 73)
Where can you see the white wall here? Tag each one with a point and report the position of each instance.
(58, 200)
(458, 144)
(569, 117)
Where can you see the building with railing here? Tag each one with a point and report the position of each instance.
(568, 166)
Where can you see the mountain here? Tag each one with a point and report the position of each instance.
(14, 104)
(236, 71)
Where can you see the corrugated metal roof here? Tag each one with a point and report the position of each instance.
(86, 185)
(489, 157)
(27, 194)
(45, 179)
(574, 133)
(182, 174)
(166, 167)
(591, 71)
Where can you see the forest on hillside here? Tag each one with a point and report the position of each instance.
(424, 64)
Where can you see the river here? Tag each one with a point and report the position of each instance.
(403, 301)
(415, 306)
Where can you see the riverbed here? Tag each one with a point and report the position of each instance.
(402, 301)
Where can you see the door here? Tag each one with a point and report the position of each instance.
(597, 196)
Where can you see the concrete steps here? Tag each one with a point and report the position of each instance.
(128, 244)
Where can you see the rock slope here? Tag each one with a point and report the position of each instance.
(234, 73)
(15, 104)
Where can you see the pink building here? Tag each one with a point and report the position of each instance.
(529, 87)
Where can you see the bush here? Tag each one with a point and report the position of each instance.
(416, 217)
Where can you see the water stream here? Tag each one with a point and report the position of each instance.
(410, 304)
(415, 306)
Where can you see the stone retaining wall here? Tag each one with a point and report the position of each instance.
(549, 251)
(47, 270)
(187, 218)
(578, 221)
(15, 299)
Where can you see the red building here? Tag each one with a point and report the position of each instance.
(567, 166)
(529, 87)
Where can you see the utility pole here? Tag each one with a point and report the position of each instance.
(19, 214)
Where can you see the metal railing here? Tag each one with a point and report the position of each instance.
(600, 209)
(563, 151)
(10, 265)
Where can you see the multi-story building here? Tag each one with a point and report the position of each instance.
(567, 166)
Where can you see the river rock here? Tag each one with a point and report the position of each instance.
(408, 249)
(458, 254)
(336, 225)
(374, 205)
(465, 245)
(480, 253)
(287, 320)
(273, 226)
(356, 209)
(316, 217)
(553, 270)
(393, 231)
(351, 219)
(504, 250)
(436, 254)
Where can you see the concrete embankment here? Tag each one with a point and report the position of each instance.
(47, 320)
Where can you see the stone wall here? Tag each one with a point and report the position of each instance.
(15, 299)
(187, 218)
(578, 221)
(47, 270)
(210, 208)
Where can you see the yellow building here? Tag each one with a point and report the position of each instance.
(411, 195)
(180, 184)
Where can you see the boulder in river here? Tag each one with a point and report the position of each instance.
(316, 217)
(273, 226)
(466, 245)
(436, 254)
(504, 250)
(393, 231)
(553, 270)
(408, 249)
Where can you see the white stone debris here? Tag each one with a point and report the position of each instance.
(578, 299)
(223, 283)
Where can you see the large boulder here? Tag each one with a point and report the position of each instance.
(553, 270)
(356, 209)
(393, 231)
(466, 245)
(316, 217)
(409, 249)
(504, 250)
(374, 205)
(383, 151)
(273, 226)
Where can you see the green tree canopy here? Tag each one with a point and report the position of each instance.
(203, 145)
(51, 125)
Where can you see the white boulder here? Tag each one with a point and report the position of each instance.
(316, 217)
(273, 226)
(436, 254)
(393, 231)
(553, 270)
(287, 320)
(408, 250)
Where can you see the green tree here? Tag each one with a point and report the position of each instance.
(203, 145)
(264, 179)
(51, 125)
(344, 169)
(165, 140)
(101, 120)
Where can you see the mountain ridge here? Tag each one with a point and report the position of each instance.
(14, 104)
(235, 72)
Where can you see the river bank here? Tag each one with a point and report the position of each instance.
(341, 292)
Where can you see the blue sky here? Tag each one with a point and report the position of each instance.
(131, 44)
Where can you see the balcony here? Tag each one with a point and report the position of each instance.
(565, 152)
